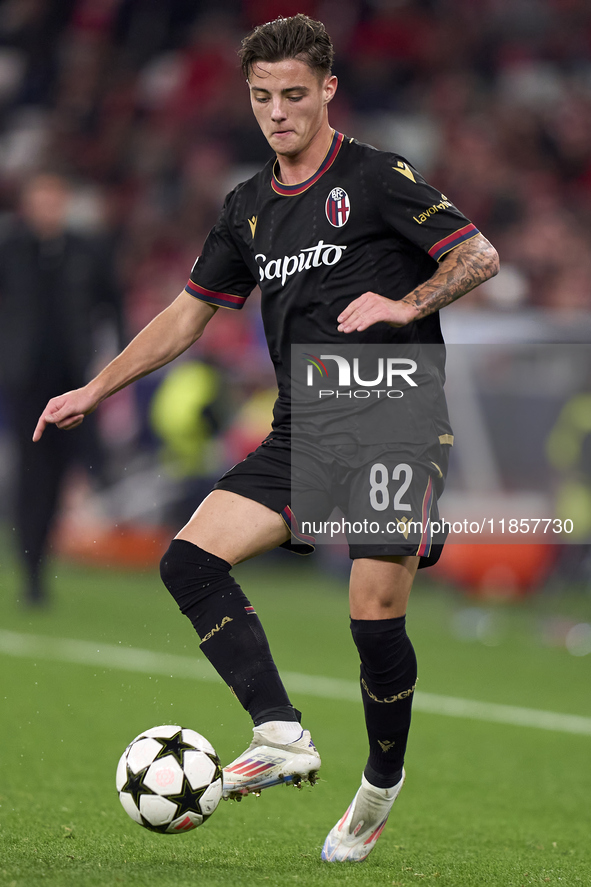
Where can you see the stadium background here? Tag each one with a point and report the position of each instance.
(141, 104)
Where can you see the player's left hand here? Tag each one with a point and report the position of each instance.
(371, 308)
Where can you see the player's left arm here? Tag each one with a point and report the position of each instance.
(462, 269)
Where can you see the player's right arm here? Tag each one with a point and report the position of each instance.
(164, 338)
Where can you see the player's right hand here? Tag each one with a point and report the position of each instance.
(65, 411)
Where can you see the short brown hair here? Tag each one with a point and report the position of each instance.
(298, 37)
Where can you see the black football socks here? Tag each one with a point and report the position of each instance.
(231, 633)
(388, 678)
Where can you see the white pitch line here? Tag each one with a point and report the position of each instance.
(31, 646)
(34, 646)
(502, 714)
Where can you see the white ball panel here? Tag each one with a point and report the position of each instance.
(198, 741)
(157, 810)
(142, 753)
(184, 823)
(199, 768)
(129, 807)
(165, 731)
(211, 797)
(165, 776)
(121, 775)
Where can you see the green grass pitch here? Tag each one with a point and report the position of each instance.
(484, 804)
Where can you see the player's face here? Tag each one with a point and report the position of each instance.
(289, 102)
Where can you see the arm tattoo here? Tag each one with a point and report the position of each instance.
(461, 270)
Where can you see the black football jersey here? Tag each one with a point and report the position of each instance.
(365, 221)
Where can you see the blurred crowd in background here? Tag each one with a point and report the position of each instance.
(142, 104)
(141, 107)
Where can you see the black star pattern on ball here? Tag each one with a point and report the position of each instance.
(189, 798)
(174, 746)
(135, 786)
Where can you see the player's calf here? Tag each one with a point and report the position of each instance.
(388, 679)
(232, 636)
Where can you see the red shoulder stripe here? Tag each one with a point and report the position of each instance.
(224, 300)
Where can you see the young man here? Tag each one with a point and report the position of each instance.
(348, 245)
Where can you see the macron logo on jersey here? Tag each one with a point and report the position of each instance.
(311, 257)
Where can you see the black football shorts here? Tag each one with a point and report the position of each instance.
(381, 500)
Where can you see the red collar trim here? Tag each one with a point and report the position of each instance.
(300, 187)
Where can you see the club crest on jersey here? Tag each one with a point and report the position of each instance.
(338, 207)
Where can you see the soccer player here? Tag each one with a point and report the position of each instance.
(348, 245)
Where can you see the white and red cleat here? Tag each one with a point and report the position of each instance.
(267, 762)
(356, 834)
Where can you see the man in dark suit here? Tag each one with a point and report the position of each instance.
(55, 285)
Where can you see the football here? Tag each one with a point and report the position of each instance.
(169, 779)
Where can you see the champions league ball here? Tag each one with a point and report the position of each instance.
(169, 779)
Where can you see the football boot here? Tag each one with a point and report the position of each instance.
(356, 834)
(268, 762)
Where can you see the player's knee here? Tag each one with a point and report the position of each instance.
(384, 647)
(191, 574)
